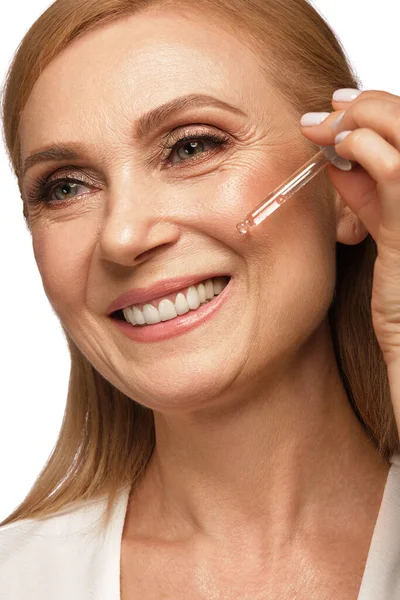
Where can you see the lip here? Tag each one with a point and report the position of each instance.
(175, 327)
(159, 289)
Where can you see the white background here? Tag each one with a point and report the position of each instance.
(34, 357)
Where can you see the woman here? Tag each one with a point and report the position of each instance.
(248, 447)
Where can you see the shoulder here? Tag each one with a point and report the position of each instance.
(381, 577)
(35, 551)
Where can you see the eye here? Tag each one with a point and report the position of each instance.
(187, 148)
(184, 149)
(63, 190)
(68, 189)
(190, 148)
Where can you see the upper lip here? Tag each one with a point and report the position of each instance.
(157, 290)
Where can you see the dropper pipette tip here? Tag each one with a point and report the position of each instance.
(244, 227)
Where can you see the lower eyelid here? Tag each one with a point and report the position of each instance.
(200, 156)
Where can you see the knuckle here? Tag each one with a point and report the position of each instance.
(359, 110)
(371, 93)
(358, 135)
(392, 171)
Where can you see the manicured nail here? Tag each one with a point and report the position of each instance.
(342, 163)
(314, 118)
(342, 136)
(346, 95)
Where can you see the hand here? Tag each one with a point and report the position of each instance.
(372, 192)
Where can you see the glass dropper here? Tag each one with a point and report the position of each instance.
(292, 185)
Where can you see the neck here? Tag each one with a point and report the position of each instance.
(265, 464)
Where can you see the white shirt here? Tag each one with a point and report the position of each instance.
(66, 557)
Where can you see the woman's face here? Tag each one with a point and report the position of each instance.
(142, 214)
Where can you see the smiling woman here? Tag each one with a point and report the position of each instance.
(228, 425)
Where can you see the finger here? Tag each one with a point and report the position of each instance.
(321, 134)
(382, 162)
(384, 119)
(365, 94)
(381, 116)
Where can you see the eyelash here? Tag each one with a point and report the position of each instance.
(43, 187)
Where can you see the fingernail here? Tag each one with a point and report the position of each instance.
(314, 118)
(346, 95)
(341, 136)
(342, 163)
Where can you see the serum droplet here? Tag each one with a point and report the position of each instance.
(243, 227)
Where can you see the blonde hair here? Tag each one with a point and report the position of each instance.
(106, 438)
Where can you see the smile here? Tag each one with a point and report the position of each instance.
(174, 315)
(178, 304)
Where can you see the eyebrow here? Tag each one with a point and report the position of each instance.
(143, 126)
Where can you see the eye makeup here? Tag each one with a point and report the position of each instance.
(288, 188)
(168, 154)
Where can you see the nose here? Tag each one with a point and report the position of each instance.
(134, 227)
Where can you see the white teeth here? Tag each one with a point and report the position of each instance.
(128, 314)
(167, 310)
(192, 298)
(181, 305)
(151, 314)
(138, 316)
(201, 290)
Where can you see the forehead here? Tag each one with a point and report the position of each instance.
(113, 74)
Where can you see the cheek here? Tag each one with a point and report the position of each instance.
(62, 265)
(234, 192)
(305, 222)
(290, 257)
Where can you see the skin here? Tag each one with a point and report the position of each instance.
(262, 479)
